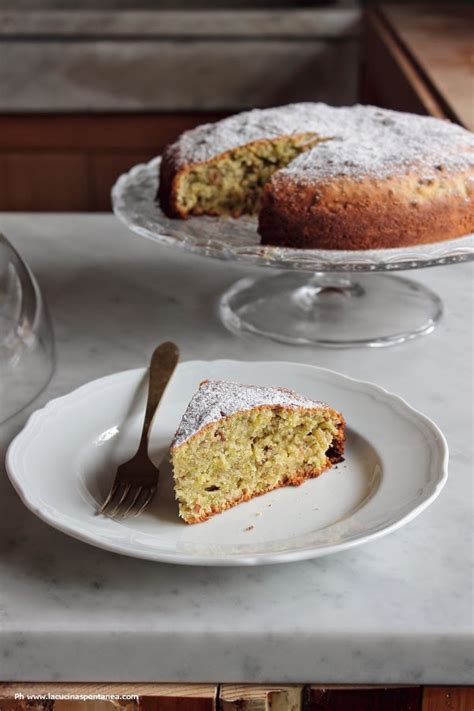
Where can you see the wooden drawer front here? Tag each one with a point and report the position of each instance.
(242, 697)
(39, 181)
(69, 163)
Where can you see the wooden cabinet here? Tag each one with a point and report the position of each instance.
(238, 697)
(69, 162)
(418, 58)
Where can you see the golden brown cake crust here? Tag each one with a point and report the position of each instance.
(170, 174)
(367, 214)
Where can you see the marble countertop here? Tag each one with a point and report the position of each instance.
(396, 610)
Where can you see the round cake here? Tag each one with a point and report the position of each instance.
(320, 177)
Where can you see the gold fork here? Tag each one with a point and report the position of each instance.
(136, 480)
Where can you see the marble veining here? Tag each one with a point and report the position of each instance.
(396, 610)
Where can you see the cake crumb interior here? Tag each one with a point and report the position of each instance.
(232, 184)
(248, 454)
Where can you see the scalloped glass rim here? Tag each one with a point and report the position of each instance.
(134, 203)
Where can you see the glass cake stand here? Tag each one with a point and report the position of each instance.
(324, 297)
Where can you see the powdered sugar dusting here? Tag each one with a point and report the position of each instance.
(364, 140)
(379, 143)
(216, 399)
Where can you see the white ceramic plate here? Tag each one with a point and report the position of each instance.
(63, 462)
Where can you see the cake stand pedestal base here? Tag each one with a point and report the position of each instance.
(333, 310)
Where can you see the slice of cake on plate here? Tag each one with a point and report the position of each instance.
(236, 442)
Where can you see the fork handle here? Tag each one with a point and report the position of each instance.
(163, 362)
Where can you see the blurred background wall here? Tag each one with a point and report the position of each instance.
(89, 88)
(164, 4)
(97, 86)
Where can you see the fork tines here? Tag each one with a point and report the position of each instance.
(127, 500)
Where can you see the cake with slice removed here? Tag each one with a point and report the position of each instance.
(236, 442)
(324, 177)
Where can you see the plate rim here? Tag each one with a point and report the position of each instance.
(30, 430)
